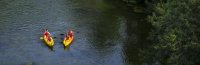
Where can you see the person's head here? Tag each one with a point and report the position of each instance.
(70, 31)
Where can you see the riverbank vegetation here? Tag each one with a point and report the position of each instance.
(175, 31)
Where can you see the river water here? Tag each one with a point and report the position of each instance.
(106, 32)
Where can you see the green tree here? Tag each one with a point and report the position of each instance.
(176, 31)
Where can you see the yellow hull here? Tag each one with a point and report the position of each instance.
(68, 42)
(49, 43)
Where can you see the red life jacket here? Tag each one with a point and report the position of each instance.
(49, 38)
(47, 35)
(67, 37)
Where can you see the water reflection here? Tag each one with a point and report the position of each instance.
(104, 40)
(105, 30)
(105, 36)
(137, 30)
(137, 33)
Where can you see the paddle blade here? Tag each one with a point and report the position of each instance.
(41, 38)
(62, 34)
(54, 37)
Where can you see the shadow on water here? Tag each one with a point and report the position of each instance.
(137, 30)
(67, 48)
(137, 33)
(104, 38)
(51, 48)
(105, 31)
(104, 34)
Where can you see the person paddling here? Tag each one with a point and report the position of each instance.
(47, 34)
(67, 37)
(70, 33)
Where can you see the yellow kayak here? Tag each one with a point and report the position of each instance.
(50, 42)
(69, 40)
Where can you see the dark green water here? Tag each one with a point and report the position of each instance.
(106, 32)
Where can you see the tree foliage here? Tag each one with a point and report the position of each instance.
(176, 32)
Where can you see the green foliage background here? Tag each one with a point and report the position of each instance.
(176, 32)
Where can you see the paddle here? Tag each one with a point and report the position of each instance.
(54, 37)
(62, 34)
(41, 38)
